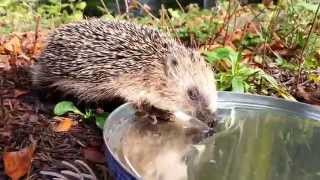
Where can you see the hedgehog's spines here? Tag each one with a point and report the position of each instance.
(97, 59)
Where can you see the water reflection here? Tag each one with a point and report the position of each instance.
(159, 152)
(249, 145)
(264, 145)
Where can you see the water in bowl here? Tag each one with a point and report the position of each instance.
(250, 144)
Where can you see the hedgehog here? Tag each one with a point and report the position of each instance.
(96, 60)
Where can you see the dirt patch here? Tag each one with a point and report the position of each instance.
(24, 117)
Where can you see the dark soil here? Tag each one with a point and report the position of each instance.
(24, 117)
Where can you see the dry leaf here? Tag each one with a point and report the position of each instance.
(236, 35)
(4, 62)
(2, 50)
(18, 163)
(13, 46)
(18, 93)
(64, 125)
(93, 154)
(312, 97)
(277, 45)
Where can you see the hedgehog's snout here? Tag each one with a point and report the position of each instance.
(206, 116)
(198, 130)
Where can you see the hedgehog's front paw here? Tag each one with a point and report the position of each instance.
(155, 115)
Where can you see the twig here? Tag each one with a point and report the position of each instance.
(76, 173)
(180, 6)
(226, 22)
(230, 15)
(36, 34)
(169, 22)
(87, 168)
(127, 6)
(55, 174)
(1, 100)
(147, 11)
(301, 59)
(105, 6)
(118, 6)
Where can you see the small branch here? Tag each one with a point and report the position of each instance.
(301, 59)
(226, 22)
(147, 11)
(127, 6)
(230, 15)
(169, 22)
(118, 6)
(2, 115)
(104, 6)
(36, 34)
(180, 6)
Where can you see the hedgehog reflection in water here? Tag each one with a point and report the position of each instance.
(161, 151)
(97, 60)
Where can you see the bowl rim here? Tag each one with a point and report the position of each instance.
(234, 98)
(260, 101)
(107, 146)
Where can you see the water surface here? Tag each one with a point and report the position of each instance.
(250, 144)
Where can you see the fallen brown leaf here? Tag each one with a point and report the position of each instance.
(312, 97)
(93, 154)
(18, 163)
(18, 93)
(13, 45)
(2, 51)
(277, 45)
(4, 63)
(64, 125)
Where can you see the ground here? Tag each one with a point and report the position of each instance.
(26, 120)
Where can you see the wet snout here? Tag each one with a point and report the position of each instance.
(198, 130)
(207, 117)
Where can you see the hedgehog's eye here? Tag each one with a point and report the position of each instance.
(173, 61)
(170, 65)
(192, 56)
(193, 93)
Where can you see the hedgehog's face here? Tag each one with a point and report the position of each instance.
(193, 85)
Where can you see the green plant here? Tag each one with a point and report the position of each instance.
(58, 13)
(252, 40)
(18, 15)
(195, 24)
(238, 77)
(64, 107)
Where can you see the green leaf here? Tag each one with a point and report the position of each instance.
(101, 119)
(235, 59)
(273, 83)
(81, 5)
(308, 6)
(224, 81)
(238, 84)
(66, 106)
(245, 72)
(88, 114)
(225, 53)
(218, 54)
(174, 13)
(5, 3)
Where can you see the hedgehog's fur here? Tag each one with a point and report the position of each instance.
(96, 60)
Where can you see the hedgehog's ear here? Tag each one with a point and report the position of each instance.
(171, 64)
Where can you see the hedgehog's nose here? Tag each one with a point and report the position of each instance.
(207, 117)
(198, 130)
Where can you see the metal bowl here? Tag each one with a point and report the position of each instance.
(240, 116)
